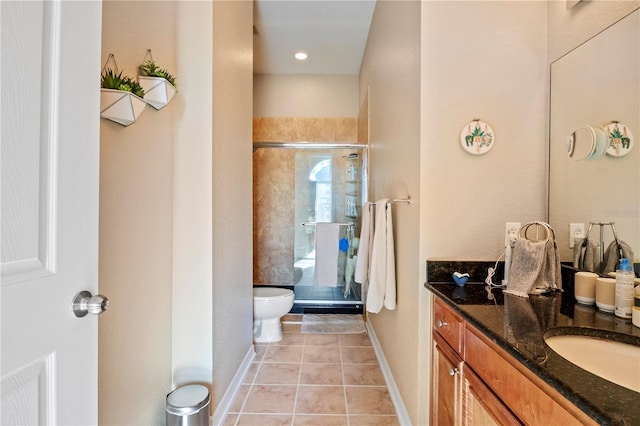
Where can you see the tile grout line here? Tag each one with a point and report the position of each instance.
(295, 399)
(344, 386)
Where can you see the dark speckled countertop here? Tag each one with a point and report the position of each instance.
(519, 325)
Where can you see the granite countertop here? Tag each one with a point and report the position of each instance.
(518, 325)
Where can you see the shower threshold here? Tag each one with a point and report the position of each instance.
(331, 301)
(326, 307)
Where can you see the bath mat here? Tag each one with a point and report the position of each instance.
(332, 324)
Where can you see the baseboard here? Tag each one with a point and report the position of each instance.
(398, 403)
(229, 396)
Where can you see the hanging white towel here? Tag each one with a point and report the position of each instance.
(326, 271)
(382, 279)
(364, 248)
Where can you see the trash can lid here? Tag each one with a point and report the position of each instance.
(187, 399)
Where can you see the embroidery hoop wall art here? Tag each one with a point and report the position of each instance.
(619, 139)
(477, 137)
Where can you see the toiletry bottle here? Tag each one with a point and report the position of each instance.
(624, 289)
(635, 316)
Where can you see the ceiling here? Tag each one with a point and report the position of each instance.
(332, 32)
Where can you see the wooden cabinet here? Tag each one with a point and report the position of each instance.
(448, 324)
(535, 402)
(481, 406)
(446, 391)
(476, 382)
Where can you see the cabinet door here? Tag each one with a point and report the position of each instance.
(446, 401)
(481, 406)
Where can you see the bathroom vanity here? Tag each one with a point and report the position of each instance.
(490, 363)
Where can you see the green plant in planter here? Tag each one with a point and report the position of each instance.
(151, 69)
(111, 80)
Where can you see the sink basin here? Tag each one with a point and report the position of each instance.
(609, 359)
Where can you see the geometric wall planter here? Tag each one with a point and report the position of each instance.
(158, 92)
(120, 106)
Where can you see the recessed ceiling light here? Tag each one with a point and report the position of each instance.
(301, 56)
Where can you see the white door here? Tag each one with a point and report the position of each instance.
(49, 128)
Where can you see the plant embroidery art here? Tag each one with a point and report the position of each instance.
(619, 139)
(477, 137)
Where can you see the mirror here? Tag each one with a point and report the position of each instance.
(593, 87)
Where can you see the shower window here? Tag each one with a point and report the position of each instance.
(294, 188)
(320, 179)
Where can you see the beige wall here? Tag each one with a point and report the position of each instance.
(466, 199)
(496, 73)
(167, 210)
(568, 28)
(232, 234)
(136, 204)
(192, 333)
(305, 95)
(391, 71)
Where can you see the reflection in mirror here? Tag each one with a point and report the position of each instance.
(596, 83)
(586, 143)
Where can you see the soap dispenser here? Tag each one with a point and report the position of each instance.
(624, 289)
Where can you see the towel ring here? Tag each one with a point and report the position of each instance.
(525, 228)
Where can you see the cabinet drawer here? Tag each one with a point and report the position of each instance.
(448, 324)
(532, 400)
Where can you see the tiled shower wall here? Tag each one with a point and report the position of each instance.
(273, 210)
(274, 189)
(305, 129)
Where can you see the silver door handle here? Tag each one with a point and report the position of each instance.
(84, 303)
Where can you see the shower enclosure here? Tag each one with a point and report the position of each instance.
(296, 186)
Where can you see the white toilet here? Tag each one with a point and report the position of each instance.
(269, 305)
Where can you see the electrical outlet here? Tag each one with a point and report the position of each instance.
(511, 232)
(576, 230)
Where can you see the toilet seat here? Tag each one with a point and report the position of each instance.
(270, 293)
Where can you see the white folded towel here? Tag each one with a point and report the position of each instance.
(364, 247)
(382, 279)
(326, 271)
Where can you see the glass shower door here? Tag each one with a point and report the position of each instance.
(307, 186)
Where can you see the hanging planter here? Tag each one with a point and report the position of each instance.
(121, 98)
(158, 84)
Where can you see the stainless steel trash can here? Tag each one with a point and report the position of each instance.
(188, 406)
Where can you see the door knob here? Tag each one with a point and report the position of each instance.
(84, 303)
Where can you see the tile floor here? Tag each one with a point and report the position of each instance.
(313, 379)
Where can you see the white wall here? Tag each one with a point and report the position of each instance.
(232, 193)
(391, 71)
(305, 95)
(192, 333)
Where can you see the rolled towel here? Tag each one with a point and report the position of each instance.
(612, 256)
(585, 255)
